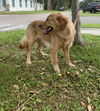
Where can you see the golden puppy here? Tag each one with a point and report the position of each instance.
(57, 32)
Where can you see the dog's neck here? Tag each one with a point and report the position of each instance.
(62, 34)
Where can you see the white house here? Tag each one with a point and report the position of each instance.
(20, 5)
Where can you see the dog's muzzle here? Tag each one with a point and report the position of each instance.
(48, 29)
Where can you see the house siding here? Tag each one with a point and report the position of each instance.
(0, 5)
(2, 8)
(17, 7)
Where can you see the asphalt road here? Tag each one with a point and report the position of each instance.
(12, 22)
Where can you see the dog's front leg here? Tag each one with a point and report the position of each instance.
(67, 57)
(40, 46)
(54, 59)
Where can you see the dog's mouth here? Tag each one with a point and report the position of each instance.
(48, 29)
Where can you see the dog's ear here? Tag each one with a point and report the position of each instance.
(62, 21)
(58, 14)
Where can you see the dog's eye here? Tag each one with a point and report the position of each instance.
(47, 19)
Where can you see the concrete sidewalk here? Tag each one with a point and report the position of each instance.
(93, 31)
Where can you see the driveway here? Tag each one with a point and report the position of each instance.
(12, 22)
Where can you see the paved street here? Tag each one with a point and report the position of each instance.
(12, 22)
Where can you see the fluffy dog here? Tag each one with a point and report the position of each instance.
(57, 32)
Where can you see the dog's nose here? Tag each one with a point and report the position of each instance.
(40, 26)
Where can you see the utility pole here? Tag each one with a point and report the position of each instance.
(75, 9)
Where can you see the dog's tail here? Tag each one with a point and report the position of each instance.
(23, 43)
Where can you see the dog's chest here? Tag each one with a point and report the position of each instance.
(47, 44)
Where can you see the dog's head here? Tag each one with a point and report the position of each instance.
(54, 22)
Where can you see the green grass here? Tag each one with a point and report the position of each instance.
(26, 12)
(44, 11)
(92, 25)
(90, 14)
(58, 93)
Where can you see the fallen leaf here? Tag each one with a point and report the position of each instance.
(75, 61)
(60, 74)
(68, 72)
(31, 92)
(89, 69)
(81, 70)
(42, 73)
(89, 100)
(17, 66)
(23, 108)
(1, 59)
(43, 69)
(89, 107)
(83, 104)
(44, 84)
(77, 72)
(16, 86)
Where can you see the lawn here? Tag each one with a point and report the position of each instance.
(90, 14)
(44, 11)
(91, 25)
(26, 12)
(39, 88)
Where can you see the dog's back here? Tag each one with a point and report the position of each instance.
(32, 33)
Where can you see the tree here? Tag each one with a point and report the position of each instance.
(75, 8)
(49, 6)
(36, 5)
(60, 3)
(54, 4)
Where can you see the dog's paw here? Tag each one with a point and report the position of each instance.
(56, 68)
(28, 63)
(44, 54)
(71, 65)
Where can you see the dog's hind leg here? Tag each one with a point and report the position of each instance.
(28, 50)
(27, 44)
(30, 41)
(28, 60)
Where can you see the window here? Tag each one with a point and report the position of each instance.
(13, 3)
(31, 3)
(4, 3)
(25, 3)
(20, 3)
(40, 6)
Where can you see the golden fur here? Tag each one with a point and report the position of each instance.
(57, 32)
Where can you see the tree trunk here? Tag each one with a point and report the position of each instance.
(43, 4)
(75, 8)
(49, 7)
(36, 6)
